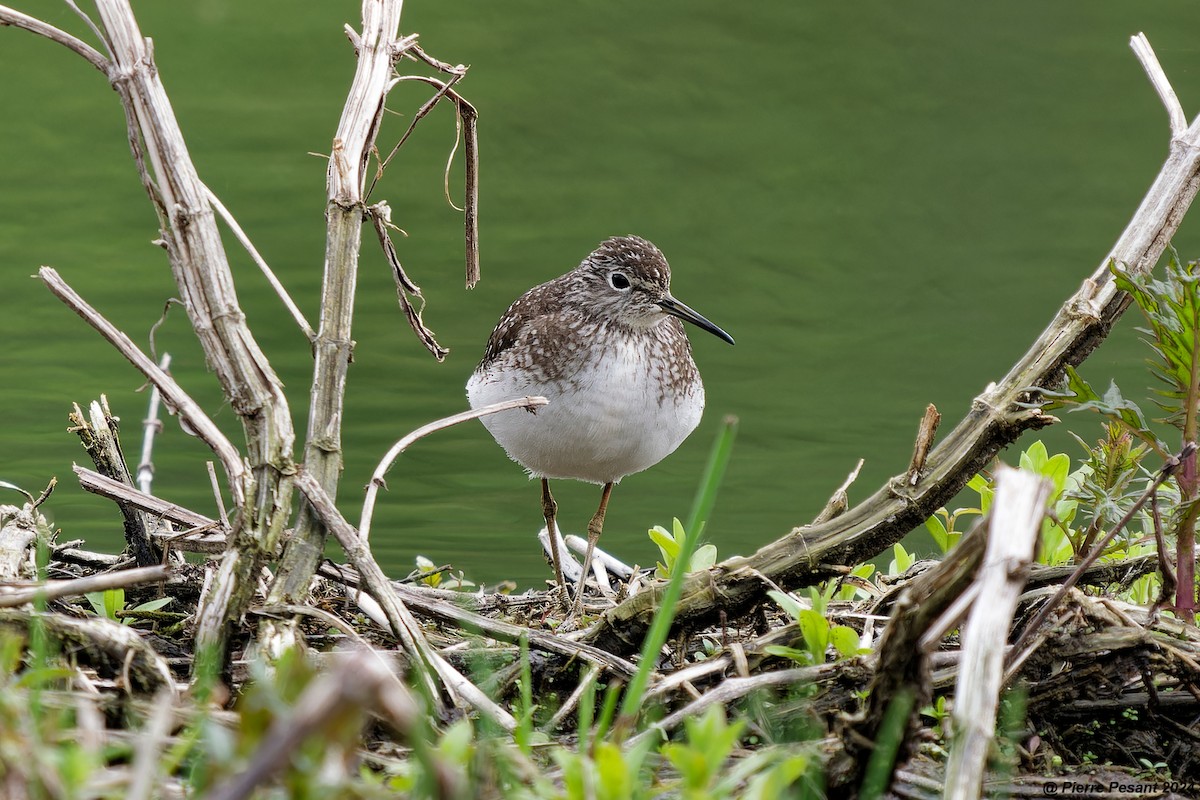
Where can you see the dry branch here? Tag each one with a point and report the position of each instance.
(353, 143)
(176, 398)
(101, 440)
(426, 662)
(115, 647)
(201, 269)
(997, 417)
(189, 234)
(52, 590)
(1017, 512)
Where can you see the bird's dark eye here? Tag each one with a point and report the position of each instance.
(618, 280)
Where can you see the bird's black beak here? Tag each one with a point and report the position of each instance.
(677, 309)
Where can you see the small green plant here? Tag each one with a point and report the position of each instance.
(1171, 309)
(437, 577)
(110, 604)
(939, 714)
(670, 544)
(943, 525)
(818, 633)
(700, 761)
(901, 561)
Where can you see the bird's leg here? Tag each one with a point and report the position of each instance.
(594, 529)
(550, 512)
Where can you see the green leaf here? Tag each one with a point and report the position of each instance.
(428, 572)
(903, 559)
(845, 640)
(938, 531)
(107, 603)
(799, 656)
(153, 605)
(983, 487)
(789, 604)
(815, 629)
(666, 543)
(705, 557)
(1034, 458)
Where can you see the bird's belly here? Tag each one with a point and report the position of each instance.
(600, 425)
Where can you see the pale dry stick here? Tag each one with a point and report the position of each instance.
(599, 569)
(261, 263)
(15, 18)
(1017, 512)
(222, 514)
(571, 569)
(361, 682)
(52, 590)
(149, 746)
(728, 691)
(345, 176)
(94, 482)
(1158, 79)
(332, 620)
(185, 407)
(426, 661)
(377, 478)
(589, 679)
(449, 611)
(150, 427)
(611, 563)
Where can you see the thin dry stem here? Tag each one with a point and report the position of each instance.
(377, 478)
(188, 410)
(276, 284)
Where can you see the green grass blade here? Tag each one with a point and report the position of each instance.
(714, 472)
(661, 626)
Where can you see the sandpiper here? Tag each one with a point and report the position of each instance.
(605, 345)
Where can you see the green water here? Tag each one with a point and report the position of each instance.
(884, 203)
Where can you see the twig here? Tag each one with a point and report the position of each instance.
(389, 458)
(925, 434)
(188, 410)
(96, 483)
(469, 118)
(426, 662)
(52, 590)
(381, 217)
(363, 682)
(102, 443)
(727, 692)
(9, 16)
(222, 514)
(261, 262)
(1018, 509)
(151, 426)
(839, 501)
(1158, 79)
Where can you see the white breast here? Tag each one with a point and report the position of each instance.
(611, 419)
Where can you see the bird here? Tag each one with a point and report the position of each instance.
(606, 345)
